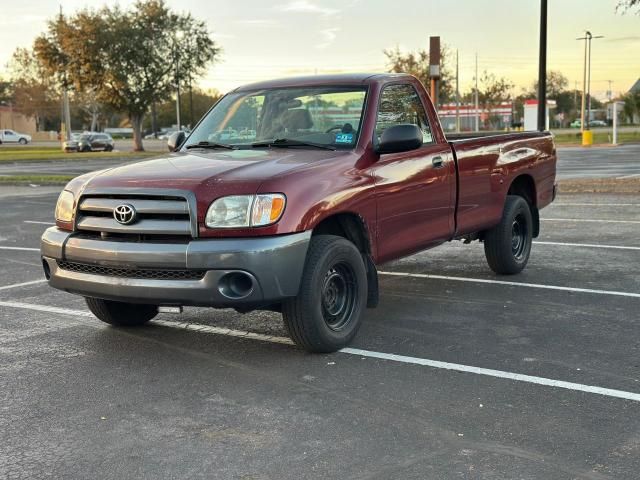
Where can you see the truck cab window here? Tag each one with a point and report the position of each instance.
(400, 104)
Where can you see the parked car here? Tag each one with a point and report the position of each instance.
(592, 123)
(297, 219)
(10, 136)
(89, 142)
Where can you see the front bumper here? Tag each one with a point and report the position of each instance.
(270, 269)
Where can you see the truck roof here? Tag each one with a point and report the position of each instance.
(333, 79)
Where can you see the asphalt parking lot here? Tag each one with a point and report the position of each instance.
(455, 375)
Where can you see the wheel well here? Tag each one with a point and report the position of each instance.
(352, 227)
(525, 187)
(349, 226)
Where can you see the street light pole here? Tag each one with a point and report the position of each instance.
(589, 78)
(586, 81)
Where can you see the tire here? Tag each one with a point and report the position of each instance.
(327, 313)
(507, 246)
(121, 314)
(23, 141)
(108, 148)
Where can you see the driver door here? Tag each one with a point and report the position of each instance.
(414, 189)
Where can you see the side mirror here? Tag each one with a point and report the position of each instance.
(176, 139)
(400, 138)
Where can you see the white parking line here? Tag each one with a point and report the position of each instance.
(496, 373)
(23, 284)
(39, 223)
(2, 247)
(586, 245)
(607, 392)
(595, 205)
(512, 284)
(587, 220)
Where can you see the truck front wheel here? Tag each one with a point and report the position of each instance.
(121, 314)
(507, 245)
(326, 314)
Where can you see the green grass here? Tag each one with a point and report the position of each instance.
(35, 179)
(598, 137)
(13, 154)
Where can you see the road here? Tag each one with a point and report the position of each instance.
(196, 396)
(573, 162)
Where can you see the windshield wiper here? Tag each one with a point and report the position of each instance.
(288, 142)
(211, 145)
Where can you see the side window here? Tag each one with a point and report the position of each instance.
(401, 104)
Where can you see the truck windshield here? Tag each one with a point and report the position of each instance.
(328, 116)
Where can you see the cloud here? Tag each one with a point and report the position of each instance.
(328, 36)
(258, 22)
(304, 6)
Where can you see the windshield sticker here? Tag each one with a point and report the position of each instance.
(344, 137)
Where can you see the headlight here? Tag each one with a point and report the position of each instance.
(239, 211)
(64, 207)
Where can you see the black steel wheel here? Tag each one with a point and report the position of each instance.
(507, 246)
(326, 314)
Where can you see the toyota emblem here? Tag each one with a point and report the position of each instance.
(124, 214)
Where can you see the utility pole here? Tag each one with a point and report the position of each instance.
(177, 46)
(476, 97)
(178, 120)
(542, 69)
(457, 93)
(66, 110)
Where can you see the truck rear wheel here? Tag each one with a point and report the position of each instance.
(507, 246)
(326, 314)
(121, 314)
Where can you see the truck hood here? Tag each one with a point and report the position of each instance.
(239, 170)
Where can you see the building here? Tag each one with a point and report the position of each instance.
(17, 121)
(498, 117)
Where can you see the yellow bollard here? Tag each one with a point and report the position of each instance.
(587, 138)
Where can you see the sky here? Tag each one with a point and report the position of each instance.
(264, 39)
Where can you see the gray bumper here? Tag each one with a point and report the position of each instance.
(273, 265)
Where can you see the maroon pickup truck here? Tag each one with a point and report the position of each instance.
(286, 196)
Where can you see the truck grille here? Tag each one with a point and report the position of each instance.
(154, 216)
(148, 274)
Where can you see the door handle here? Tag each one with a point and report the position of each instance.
(437, 162)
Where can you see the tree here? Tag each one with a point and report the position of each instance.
(202, 102)
(127, 57)
(567, 101)
(625, 5)
(631, 107)
(492, 91)
(417, 64)
(33, 91)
